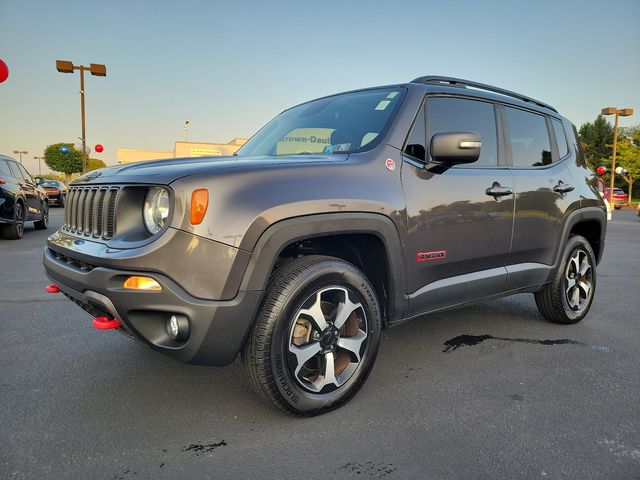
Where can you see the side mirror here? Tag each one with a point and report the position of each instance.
(39, 180)
(452, 148)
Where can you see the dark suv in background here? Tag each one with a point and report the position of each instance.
(341, 217)
(21, 200)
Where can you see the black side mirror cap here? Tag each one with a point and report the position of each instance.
(452, 148)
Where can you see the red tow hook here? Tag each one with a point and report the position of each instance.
(53, 288)
(105, 323)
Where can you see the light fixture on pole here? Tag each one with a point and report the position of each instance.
(618, 112)
(186, 130)
(20, 152)
(64, 66)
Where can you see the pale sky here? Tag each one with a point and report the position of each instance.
(229, 67)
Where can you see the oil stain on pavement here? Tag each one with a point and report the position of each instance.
(200, 449)
(471, 340)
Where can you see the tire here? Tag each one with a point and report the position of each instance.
(44, 222)
(15, 230)
(617, 207)
(291, 349)
(567, 300)
(61, 202)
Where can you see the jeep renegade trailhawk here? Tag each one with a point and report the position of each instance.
(342, 216)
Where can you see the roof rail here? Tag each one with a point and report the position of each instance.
(459, 82)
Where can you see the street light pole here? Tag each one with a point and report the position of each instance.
(618, 112)
(84, 134)
(39, 164)
(20, 152)
(64, 66)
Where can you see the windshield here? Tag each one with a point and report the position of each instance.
(346, 123)
(50, 183)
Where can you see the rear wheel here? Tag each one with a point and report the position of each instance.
(567, 299)
(316, 336)
(15, 230)
(43, 223)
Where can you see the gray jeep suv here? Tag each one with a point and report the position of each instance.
(342, 216)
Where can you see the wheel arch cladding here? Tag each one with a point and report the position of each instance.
(591, 230)
(342, 236)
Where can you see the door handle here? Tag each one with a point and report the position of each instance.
(562, 188)
(496, 190)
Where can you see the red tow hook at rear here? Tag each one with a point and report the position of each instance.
(105, 323)
(53, 288)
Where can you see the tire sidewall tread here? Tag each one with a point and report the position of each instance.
(264, 355)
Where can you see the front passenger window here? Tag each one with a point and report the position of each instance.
(463, 115)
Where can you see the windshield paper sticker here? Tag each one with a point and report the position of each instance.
(383, 104)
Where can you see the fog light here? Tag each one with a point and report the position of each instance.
(141, 283)
(178, 328)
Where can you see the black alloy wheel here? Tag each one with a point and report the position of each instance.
(43, 223)
(15, 230)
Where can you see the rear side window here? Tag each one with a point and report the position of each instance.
(462, 115)
(24, 172)
(561, 139)
(4, 168)
(13, 168)
(529, 137)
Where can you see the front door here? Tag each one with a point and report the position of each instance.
(459, 220)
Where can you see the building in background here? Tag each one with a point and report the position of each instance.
(181, 150)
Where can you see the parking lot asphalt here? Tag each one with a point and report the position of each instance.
(490, 391)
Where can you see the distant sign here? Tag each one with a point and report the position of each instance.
(205, 152)
(304, 140)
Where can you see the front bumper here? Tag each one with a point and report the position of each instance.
(217, 328)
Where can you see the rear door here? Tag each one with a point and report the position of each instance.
(545, 192)
(30, 191)
(458, 234)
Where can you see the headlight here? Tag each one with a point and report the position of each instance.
(156, 209)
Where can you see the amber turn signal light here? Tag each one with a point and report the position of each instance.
(199, 204)
(141, 283)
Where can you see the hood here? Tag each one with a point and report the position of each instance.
(163, 172)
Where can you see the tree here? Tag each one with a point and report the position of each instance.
(596, 139)
(66, 163)
(95, 164)
(628, 155)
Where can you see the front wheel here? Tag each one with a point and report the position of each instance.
(567, 299)
(316, 336)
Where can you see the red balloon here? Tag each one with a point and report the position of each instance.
(601, 170)
(4, 71)
(99, 148)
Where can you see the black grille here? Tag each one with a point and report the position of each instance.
(91, 211)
